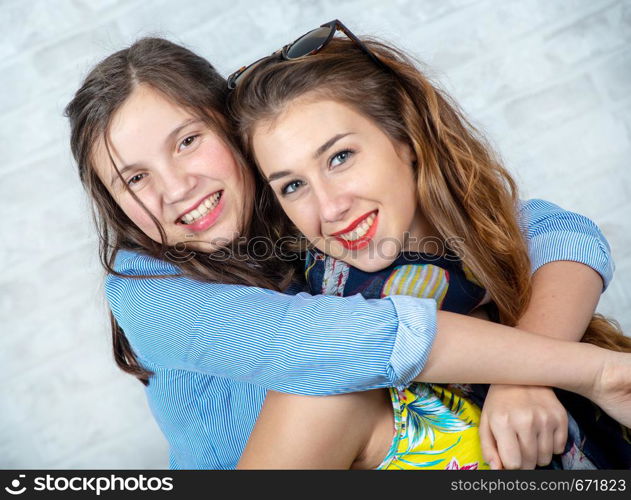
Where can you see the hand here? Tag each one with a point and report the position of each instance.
(611, 388)
(522, 426)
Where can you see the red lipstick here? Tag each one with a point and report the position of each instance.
(359, 243)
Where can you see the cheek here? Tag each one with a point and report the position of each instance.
(406, 205)
(140, 217)
(303, 217)
(217, 161)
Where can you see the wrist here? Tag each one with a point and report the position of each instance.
(510, 390)
(591, 368)
(508, 387)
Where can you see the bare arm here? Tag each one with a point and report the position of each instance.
(523, 426)
(469, 350)
(565, 296)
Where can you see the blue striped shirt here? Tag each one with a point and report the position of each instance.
(216, 348)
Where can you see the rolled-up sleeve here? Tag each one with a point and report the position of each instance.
(302, 344)
(555, 234)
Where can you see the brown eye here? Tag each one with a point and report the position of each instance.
(135, 179)
(187, 143)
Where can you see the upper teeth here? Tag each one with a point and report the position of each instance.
(204, 207)
(360, 231)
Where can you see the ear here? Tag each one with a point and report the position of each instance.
(406, 153)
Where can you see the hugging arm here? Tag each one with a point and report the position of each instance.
(301, 344)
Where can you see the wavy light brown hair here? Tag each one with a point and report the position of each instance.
(191, 82)
(463, 189)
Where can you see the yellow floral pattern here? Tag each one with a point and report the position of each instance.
(435, 428)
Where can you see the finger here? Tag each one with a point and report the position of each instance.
(560, 428)
(508, 447)
(489, 447)
(529, 447)
(545, 441)
(560, 437)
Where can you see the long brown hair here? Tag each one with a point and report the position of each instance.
(463, 189)
(192, 83)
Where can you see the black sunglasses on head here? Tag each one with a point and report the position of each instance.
(309, 43)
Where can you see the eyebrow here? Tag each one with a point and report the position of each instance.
(167, 139)
(318, 152)
(115, 175)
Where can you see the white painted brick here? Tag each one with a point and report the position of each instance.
(605, 190)
(18, 296)
(20, 83)
(587, 38)
(45, 21)
(59, 199)
(623, 113)
(551, 106)
(615, 76)
(572, 150)
(54, 60)
(40, 21)
(471, 34)
(551, 11)
(17, 442)
(171, 18)
(616, 301)
(123, 449)
(625, 19)
(39, 396)
(504, 77)
(39, 118)
(615, 224)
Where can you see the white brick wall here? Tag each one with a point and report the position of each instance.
(549, 81)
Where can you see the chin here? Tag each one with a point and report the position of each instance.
(370, 265)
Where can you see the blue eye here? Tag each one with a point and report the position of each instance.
(186, 143)
(340, 157)
(135, 179)
(291, 187)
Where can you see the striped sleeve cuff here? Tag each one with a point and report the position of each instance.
(575, 247)
(415, 336)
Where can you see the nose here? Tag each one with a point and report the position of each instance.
(333, 202)
(177, 183)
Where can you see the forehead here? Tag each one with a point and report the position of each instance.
(303, 126)
(137, 130)
(320, 114)
(308, 121)
(144, 111)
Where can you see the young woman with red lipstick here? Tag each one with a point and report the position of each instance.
(399, 195)
(209, 328)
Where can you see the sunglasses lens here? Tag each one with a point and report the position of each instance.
(308, 43)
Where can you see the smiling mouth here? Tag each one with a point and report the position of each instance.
(206, 206)
(359, 233)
